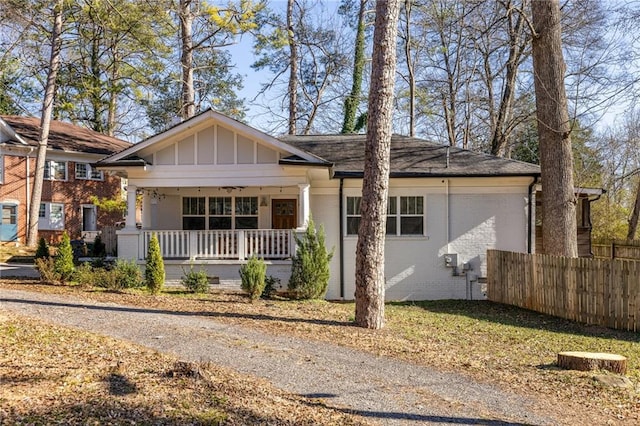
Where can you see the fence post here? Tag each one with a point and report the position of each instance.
(242, 248)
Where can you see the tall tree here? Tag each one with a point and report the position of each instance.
(375, 186)
(293, 69)
(205, 27)
(554, 130)
(353, 99)
(45, 122)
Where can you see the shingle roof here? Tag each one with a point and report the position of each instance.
(409, 157)
(65, 136)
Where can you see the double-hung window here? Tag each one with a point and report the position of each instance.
(246, 213)
(51, 216)
(193, 213)
(85, 171)
(405, 215)
(55, 170)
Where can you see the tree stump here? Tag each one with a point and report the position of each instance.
(586, 361)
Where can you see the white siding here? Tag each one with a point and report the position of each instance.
(186, 151)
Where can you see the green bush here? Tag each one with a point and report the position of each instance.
(43, 249)
(310, 265)
(123, 275)
(63, 261)
(85, 275)
(154, 272)
(253, 274)
(271, 285)
(46, 268)
(195, 281)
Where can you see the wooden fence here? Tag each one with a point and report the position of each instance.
(110, 239)
(593, 291)
(617, 250)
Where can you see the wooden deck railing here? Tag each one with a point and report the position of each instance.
(222, 244)
(593, 291)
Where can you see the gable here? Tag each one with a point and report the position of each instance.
(213, 145)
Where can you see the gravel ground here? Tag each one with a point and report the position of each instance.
(390, 391)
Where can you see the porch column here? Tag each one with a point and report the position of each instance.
(305, 208)
(130, 221)
(147, 203)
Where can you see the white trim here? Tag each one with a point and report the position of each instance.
(205, 117)
(12, 132)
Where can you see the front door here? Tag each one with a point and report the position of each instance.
(9, 224)
(284, 214)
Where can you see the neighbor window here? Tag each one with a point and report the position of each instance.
(51, 216)
(55, 170)
(407, 219)
(220, 212)
(85, 171)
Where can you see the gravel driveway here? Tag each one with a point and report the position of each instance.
(390, 391)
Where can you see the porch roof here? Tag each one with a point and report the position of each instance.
(410, 157)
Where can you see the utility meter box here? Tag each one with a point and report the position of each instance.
(451, 260)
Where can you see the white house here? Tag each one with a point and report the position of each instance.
(217, 191)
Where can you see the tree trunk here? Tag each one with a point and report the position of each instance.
(293, 70)
(45, 123)
(351, 102)
(411, 77)
(554, 132)
(188, 108)
(371, 234)
(633, 220)
(587, 361)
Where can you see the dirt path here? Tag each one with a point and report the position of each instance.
(388, 390)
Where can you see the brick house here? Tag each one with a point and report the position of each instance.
(70, 179)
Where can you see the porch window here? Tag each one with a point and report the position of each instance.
(55, 170)
(85, 171)
(220, 212)
(246, 213)
(51, 216)
(409, 217)
(193, 213)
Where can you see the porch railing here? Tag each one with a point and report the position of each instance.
(222, 244)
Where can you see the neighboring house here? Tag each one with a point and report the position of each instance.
(216, 191)
(70, 179)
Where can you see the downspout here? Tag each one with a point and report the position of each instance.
(446, 213)
(341, 240)
(530, 214)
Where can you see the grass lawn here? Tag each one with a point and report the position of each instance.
(495, 343)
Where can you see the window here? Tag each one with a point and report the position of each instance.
(55, 170)
(410, 216)
(85, 171)
(246, 213)
(219, 213)
(193, 213)
(51, 216)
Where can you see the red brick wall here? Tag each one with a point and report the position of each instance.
(72, 193)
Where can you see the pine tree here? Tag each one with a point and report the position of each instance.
(63, 263)
(43, 249)
(154, 271)
(310, 266)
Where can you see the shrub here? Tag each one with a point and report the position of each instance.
(310, 265)
(99, 249)
(154, 272)
(124, 274)
(253, 275)
(85, 275)
(46, 268)
(43, 249)
(195, 281)
(63, 262)
(271, 285)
